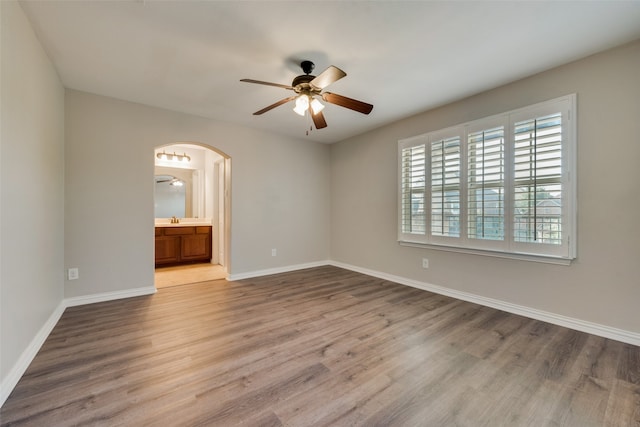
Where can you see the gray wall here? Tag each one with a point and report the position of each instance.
(32, 188)
(279, 192)
(603, 284)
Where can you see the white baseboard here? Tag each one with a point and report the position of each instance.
(27, 356)
(545, 316)
(109, 296)
(277, 270)
(29, 353)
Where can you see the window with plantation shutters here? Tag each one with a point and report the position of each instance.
(485, 184)
(413, 170)
(445, 187)
(501, 186)
(537, 196)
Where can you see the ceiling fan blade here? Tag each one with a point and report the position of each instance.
(318, 120)
(343, 101)
(266, 83)
(272, 106)
(328, 76)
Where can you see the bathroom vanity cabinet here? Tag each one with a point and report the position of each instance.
(183, 244)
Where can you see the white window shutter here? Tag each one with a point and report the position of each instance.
(412, 206)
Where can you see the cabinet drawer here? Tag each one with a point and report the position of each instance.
(203, 230)
(178, 231)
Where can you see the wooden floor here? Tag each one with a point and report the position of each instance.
(320, 347)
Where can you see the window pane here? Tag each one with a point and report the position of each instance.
(445, 187)
(413, 188)
(538, 188)
(485, 184)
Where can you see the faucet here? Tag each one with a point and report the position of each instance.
(174, 220)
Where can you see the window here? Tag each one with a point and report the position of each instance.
(445, 187)
(412, 181)
(501, 185)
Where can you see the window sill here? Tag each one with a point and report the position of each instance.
(517, 256)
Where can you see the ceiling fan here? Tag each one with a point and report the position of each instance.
(170, 179)
(309, 88)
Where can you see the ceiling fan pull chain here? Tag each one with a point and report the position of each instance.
(307, 115)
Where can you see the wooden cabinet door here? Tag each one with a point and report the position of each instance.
(196, 246)
(167, 249)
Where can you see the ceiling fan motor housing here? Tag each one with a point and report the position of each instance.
(301, 83)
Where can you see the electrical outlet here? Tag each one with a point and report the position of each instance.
(274, 252)
(73, 274)
(425, 262)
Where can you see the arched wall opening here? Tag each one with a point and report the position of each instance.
(192, 187)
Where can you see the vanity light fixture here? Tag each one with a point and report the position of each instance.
(181, 158)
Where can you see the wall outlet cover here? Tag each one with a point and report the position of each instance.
(73, 274)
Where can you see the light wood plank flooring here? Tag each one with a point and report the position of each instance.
(165, 277)
(320, 347)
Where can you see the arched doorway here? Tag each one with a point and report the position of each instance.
(192, 184)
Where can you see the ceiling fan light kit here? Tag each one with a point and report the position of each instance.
(303, 102)
(302, 105)
(307, 87)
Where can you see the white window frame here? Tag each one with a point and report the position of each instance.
(561, 253)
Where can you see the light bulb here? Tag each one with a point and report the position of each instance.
(302, 104)
(316, 106)
(185, 158)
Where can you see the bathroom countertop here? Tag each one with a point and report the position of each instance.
(186, 223)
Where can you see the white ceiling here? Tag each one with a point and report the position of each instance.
(403, 57)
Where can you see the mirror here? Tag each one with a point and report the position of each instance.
(170, 197)
(194, 167)
(173, 193)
